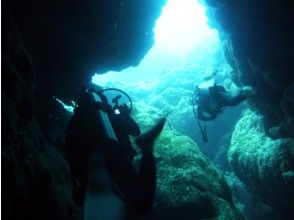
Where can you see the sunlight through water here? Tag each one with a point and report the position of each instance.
(181, 35)
(181, 27)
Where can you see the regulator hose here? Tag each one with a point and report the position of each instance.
(121, 91)
(202, 130)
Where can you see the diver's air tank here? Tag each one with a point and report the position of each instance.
(107, 130)
(203, 87)
(88, 100)
(100, 202)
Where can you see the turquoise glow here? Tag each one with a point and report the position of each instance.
(181, 27)
(182, 38)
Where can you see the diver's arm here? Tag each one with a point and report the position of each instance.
(128, 122)
(132, 126)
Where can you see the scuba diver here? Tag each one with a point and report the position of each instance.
(211, 99)
(124, 126)
(98, 136)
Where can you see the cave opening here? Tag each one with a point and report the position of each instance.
(186, 50)
(57, 53)
(182, 40)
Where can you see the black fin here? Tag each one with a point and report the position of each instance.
(149, 136)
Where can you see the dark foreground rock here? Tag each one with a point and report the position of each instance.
(259, 44)
(36, 182)
(189, 185)
(266, 166)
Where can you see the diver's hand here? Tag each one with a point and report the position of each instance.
(124, 109)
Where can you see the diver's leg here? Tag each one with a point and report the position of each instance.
(147, 169)
(235, 100)
(241, 96)
(80, 176)
(147, 180)
(135, 188)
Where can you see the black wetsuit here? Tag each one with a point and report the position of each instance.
(210, 105)
(83, 136)
(124, 125)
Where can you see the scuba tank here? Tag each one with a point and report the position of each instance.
(100, 202)
(90, 99)
(203, 88)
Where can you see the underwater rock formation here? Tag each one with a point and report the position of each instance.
(189, 186)
(36, 182)
(52, 48)
(259, 44)
(172, 91)
(71, 40)
(68, 40)
(265, 165)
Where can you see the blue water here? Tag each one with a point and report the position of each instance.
(185, 51)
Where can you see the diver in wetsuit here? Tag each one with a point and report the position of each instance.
(124, 126)
(108, 135)
(212, 100)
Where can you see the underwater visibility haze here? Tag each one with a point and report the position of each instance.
(197, 124)
(186, 51)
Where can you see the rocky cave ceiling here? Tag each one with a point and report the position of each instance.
(53, 47)
(70, 40)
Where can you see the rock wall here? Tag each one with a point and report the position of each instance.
(189, 185)
(71, 40)
(259, 40)
(51, 48)
(265, 165)
(36, 182)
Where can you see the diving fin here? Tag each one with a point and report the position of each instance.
(148, 137)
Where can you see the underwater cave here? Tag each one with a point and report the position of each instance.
(155, 54)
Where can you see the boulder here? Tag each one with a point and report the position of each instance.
(265, 165)
(189, 185)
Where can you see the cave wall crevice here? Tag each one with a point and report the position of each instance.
(36, 182)
(259, 45)
(258, 42)
(51, 48)
(70, 41)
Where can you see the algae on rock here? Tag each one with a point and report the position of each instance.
(189, 186)
(265, 165)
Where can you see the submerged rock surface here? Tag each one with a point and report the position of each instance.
(69, 40)
(36, 182)
(258, 42)
(265, 165)
(189, 186)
